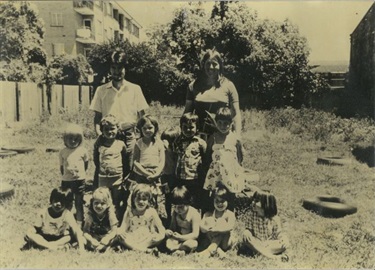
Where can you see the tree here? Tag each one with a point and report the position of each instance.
(264, 58)
(21, 35)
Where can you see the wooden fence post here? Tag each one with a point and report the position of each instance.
(18, 93)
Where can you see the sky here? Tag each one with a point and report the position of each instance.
(327, 25)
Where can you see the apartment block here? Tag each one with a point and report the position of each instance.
(73, 27)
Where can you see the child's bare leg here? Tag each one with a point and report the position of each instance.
(189, 245)
(40, 241)
(62, 241)
(215, 240)
(257, 245)
(227, 241)
(172, 244)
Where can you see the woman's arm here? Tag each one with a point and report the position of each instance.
(235, 107)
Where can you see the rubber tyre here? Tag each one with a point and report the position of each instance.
(7, 153)
(329, 206)
(338, 161)
(6, 191)
(53, 149)
(19, 149)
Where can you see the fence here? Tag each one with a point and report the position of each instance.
(27, 101)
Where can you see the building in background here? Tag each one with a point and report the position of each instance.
(362, 59)
(73, 27)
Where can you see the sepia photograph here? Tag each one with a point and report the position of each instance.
(187, 134)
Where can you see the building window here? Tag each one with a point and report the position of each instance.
(128, 25)
(58, 48)
(56, 19)
(87, 23)
(110, 10)
(136, 31)
(86, 51)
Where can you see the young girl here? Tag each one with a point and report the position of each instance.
(51, 228)
(217, 225)
(263, 232)
(101, 223)
(224, 155)
(168, 177)
(141, 228)
(109, 154)
(184, 228)
(149, 156)
(73, 166)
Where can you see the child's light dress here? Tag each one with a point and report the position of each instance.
(225, 167)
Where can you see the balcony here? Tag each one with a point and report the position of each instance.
(84, 7)
(85, 36)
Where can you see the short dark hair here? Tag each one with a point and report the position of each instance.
(63, 195)
(170, 134)
(222, 192)
(188, 118)
(224, 114)
(144, 120)
(267, 201)
(118, 57)
(181, 195)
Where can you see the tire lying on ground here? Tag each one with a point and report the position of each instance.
(19, 149)
(53, 149)
(329, 206)
(6, 191)
(339, 161)
(7, 153)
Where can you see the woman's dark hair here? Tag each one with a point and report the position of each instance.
(181, 195)
(224, 114)
(144, 119)
(63, 195)
(118, 57)
(210, 54)
(267, 201)
(141, 189)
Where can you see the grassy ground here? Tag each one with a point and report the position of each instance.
(286, 164)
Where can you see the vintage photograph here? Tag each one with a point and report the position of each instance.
(187, 134)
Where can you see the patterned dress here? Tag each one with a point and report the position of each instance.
(225, 167)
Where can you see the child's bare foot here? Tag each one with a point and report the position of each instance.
(179, 253)
(221, 253)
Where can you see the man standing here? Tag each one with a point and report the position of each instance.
(122, 99)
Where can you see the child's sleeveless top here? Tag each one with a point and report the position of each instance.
(100, 227)
(150, 154)
(141, 225)
(225, 167)
(55, 226)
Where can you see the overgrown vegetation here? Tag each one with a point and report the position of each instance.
(285, 160)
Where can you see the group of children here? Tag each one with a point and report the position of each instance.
(200, 181)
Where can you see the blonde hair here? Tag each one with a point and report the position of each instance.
(101, 194)
(139, 190)
(73, 129)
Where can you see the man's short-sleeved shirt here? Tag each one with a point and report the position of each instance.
(124, 103)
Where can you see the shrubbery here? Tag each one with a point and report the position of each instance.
(312, 124)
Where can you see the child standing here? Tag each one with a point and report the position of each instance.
(51, 229)
(168, 177)
(101, 223)
(217, 225)
(149, 156)
(184, 228)
(224, 155)
(73, 166)
(109, 154)
(141, 228)
(263, 232)
(190, 150)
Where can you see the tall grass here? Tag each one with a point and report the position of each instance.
(281, 145)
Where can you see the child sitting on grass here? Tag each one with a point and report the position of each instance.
(101, 223)
(263, 232)
(109, 156)
(218, 224)
(141, 228)
(184, 228)
(52, 225)
(73, 166)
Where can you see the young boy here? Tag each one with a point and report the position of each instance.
(190, 150)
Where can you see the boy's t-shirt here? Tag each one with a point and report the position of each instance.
(190, 152)
(73, 162)
(110, 158)
(54, 226)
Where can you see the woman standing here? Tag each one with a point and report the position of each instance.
(210, 91)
